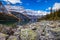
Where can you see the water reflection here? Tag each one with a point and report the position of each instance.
(22, 22)
(12, 23)
(7, 22)
(15, 23)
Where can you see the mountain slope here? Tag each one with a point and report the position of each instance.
(5, 14)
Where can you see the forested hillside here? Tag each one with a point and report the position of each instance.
(55, 15)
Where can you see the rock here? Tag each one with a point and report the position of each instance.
(28, 34)
(58, 24)
(56, 29)
(3, 36)
(12, 38)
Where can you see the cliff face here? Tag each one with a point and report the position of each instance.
(5, 14)
(7, 17)
(21, 16)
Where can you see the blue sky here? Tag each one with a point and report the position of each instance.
(39, 4)
(34, 4)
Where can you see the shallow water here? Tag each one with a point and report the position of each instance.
(11, 23)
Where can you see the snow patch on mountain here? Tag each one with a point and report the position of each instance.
(21, 9)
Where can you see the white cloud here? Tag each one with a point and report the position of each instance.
(38, 12)
(56, 6)
(48, 8)
(14, 1)
(43, 12)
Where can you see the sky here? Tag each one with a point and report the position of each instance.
(43, 5)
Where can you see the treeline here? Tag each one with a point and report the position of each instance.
(52, 16)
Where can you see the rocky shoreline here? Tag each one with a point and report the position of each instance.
(43, 30)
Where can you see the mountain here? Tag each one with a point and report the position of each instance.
(15, 8)
(25, 13)
(21, 9)
(18, 8)
(5, 14)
